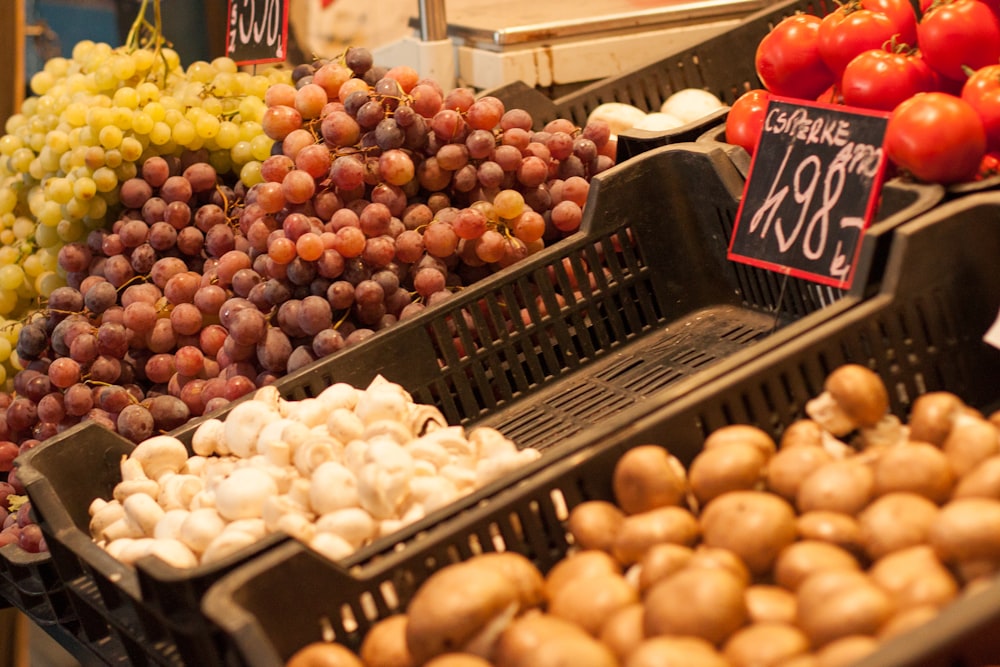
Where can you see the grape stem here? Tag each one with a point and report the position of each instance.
(133, 41)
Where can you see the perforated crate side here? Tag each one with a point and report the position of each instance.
(920, 333)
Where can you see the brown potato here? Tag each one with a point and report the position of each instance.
(914, 577)
(800, 559)
(966, 530)
(588, 602)
(743, 434)
(728, 466)
(791, 465)
(577, 566)
(713, 605)
(384, 644)
(662, 560)
(770, 604)
(647, 477)
(833, 527)
(983, 481)
(755, 525)
(675, 652)
(895, 521)
(594, 524)
(972, 440)
(623, 630)
(843, 485)
(764, 645)
(917, 467)
(640, 531)
(838, 603)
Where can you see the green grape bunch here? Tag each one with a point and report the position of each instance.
(90, 122)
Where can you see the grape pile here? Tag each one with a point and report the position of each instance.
(170, 243)
(93, 120)
(363, 195)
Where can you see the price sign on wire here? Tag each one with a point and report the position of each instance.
(258, 31)
(811, 192)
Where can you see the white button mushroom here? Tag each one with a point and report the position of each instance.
(244, 423)
(382, 402)
(169, 527)
(353, 524)
(242, 494)
(311, 454)
(295, 525)
(159, 455)
(134, 480)
(142, 513)
(173, 552)
(344, 425)
(210, 438)
(277, 507)
(308, 411)
(103, 513)
(388, 428)
(333, 487)
(177, 490)
(433, 492)
(339, 395)
(253, 527)
(225, 544)
(200, 527)
(331, 545)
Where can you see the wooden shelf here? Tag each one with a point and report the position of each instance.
(12, 62)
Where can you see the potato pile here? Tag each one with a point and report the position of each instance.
(808, 552)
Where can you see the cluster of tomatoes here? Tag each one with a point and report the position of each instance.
(934, 69)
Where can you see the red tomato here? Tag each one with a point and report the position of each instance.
(745, 119)
(902, 15)
(957, 34)
(846, 32)
(880, 79)
(831, 95)
(939, 138)
(982, 91)
(788, 61)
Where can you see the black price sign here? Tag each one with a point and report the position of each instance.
(811, 192)
(258, 31)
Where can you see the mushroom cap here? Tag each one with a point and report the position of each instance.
(522, 573)
(454, 605)
(859, 392)
(647, 477)
(384, 644)
(457, 660)
(517, 643)
(323, 654)
(743, 434)
(932, 416)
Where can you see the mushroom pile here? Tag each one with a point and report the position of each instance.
(335, 471)
(807, 552)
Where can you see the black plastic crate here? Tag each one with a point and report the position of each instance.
(30, 583)
(722, 64)
(921, 332)
(656, 227)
